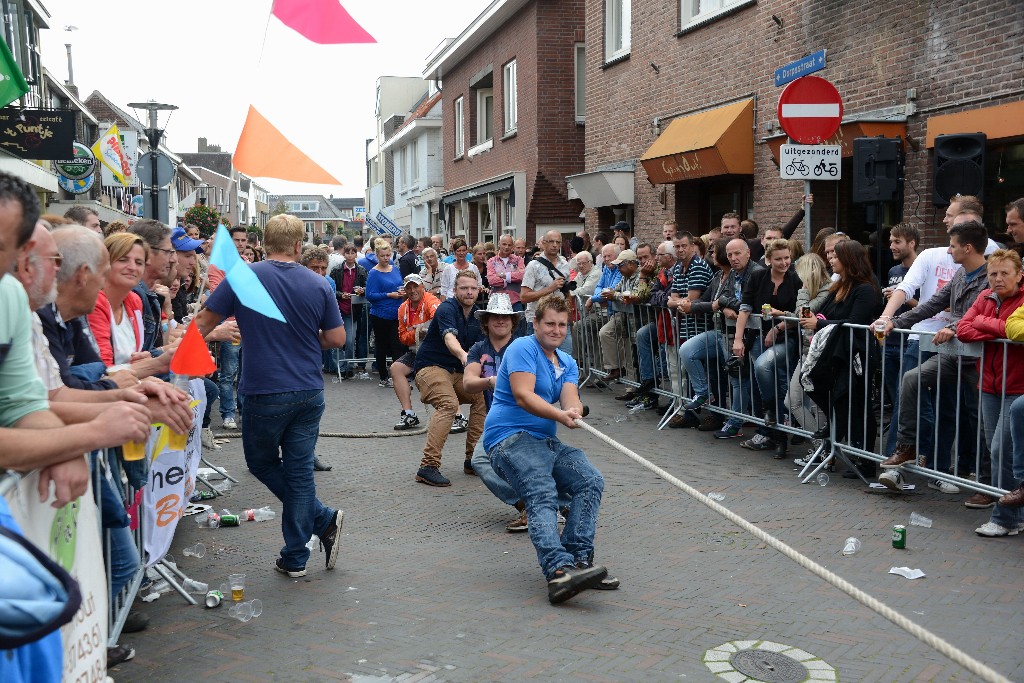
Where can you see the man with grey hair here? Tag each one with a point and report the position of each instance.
(83, 215)
(152, 289)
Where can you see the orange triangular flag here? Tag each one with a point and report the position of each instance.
(192, 357)
(263, 152)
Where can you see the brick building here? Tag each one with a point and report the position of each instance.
(511, 134)
(680, 94)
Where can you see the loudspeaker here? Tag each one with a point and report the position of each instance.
(959, 167)
(877, 169)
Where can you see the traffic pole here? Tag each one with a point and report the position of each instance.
(807, 218)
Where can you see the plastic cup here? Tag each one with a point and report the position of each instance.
(197, 550)
(237, 583)
(852, 546)
(176, 441)
(134, 450)
(242, 611)
(822, 479)
(257, 607)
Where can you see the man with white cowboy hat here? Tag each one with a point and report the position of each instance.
(439, 367)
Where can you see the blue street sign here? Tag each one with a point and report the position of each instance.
(801, 67)
(388, 224)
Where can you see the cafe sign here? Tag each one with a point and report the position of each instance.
(81, 165)
(37, 133)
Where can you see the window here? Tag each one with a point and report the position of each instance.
(511, 99)
(484, 115)
(695, 11)
(617, 25)
(413, 163)
(303, 206)
(581, 82)
(460, 140)
(309, 226)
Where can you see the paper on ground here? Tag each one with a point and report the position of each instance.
(907, 572)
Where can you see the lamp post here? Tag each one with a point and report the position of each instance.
(154, 134)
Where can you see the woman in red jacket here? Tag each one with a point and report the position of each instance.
(116, 322)
(1002, 376)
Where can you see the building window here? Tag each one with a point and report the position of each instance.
(309, 226)
(302, 206)
(460, 139)
(484, 115)
(413, 163)
(617, 25)
(511, 98)
(581, 82)
(696, 11)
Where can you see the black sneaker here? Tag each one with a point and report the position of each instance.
(292, 572)
(570, 580)
(136, 621)
(329, 539)
(607, 583)
(119, 654)
(431, 476)
(407, 421)
(467, 467)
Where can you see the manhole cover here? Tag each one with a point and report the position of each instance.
(770, 667)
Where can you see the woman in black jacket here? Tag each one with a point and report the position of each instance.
(854, 299)
(350, 278)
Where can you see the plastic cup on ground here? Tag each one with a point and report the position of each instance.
(198, 550)
(237, 583)
(852, 546)
(242, 611)
(920, 520)
(822, 479)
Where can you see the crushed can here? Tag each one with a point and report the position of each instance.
(229, 520)
(214, 598)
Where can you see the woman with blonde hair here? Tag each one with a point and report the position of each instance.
(116, 322)
(385, 291)
(814, 290)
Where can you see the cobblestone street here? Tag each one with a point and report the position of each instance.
(430, 587)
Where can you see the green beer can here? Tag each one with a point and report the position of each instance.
(899, 537)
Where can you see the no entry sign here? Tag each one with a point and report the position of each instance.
(810, 110)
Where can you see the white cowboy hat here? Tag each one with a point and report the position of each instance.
(499, 304)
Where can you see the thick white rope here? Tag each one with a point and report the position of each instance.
(919, 632)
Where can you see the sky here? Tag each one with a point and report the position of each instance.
(205, 57)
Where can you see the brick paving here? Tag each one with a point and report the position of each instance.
(429, 587)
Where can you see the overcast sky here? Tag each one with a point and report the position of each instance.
(201, 55)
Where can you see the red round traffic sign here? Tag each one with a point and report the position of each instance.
(810, 110)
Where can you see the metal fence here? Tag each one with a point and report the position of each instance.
(959, 432)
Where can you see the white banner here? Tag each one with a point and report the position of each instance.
(172, 479)
(71, 537)
(130, 149)
(810, 162)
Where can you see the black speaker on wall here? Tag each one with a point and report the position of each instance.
(959, 167)
(877, 169)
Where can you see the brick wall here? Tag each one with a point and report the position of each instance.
(547, 142)
(949, 52)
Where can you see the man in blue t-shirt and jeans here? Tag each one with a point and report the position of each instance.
(519, 436)
(284, 387)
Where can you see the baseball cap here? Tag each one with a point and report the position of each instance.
(625, 255)
(413, 278)
(182, 242)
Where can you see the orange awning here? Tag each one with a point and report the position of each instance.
(715, 142)
(848, 132)
(1000, 121)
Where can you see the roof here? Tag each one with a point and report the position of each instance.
(472, 37)
(347, 202)
(120, 113)
(325, 210)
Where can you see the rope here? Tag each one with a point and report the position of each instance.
(919, 632)
(342, 435)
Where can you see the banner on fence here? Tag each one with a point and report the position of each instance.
(71, 536)
(172, 479)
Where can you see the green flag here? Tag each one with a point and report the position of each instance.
(12, 82)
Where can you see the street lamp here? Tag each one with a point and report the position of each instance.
(204, 189)
(154, 134)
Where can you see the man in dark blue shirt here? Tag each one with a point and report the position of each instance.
(439, 364)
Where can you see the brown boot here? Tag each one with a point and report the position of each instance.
(1013, 499)
(979, 501)
(901, 456)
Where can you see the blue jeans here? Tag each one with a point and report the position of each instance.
(229, 360)
(1003, 417)
(772, 369)
(539, 470)
(124, 556)
(347, 352)
(695, 352)
(646, 346)
(495, 484)
(893, 370)
(279, 433)
(362, 332)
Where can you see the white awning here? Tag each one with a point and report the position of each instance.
(33, 174)
(603, 188)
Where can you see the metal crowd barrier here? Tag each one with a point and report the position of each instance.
(862, 423)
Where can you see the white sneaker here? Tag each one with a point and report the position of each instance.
(891, 479)
(229, 423)
(943, 487)
(206, 437)
(804, 462)
(993, 530)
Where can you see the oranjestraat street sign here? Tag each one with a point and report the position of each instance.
(810, 110)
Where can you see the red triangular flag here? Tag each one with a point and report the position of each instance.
(322, 21)
(192, 357)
